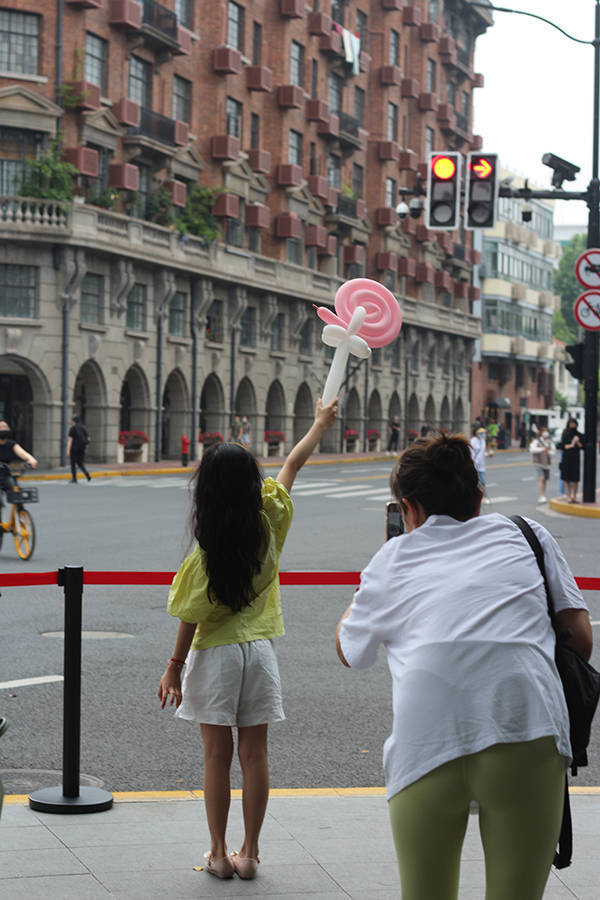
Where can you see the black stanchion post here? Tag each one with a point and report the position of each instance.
(71, 798)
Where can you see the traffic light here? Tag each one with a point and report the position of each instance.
(575, 367)
(481, 192)
(443, 191)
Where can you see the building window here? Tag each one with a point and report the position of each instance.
(336, 85)
(390, 192)
(18, 291)
(177, 310)
(314, 79)
(313, 163)
(214, 322)
(184, 12)
(233, 111)
(396, 355)
(277, 332)
(389, 279)
(136, 308)
(234, 230)
(294, 251)
(429, 140)
(414, 357)
(357, 180)
(334, 171)
(465, 104)
(248, 327)
(312, 258)
(295, 148)
(392, 122)
(434, 10)
(431, 73)
(140, 82)
(254, 131)
(91, 300)
(361, 28)
(182, 99)
(256, 43)
(359, 106)
(394, 48)
(337, 11)
(18, 42)
(451, 93)
(253, 239)
(17, 146)
(297, 64)
(96, 185)
(235, 26)
(96, 61)
(305, 344)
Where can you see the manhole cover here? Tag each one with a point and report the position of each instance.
(24, 781)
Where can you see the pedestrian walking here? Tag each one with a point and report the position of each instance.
(393, 435)
(77, 442)
(571, 444)
(246, 434)
(235, 429)
(226, 595)
(479, 712)
(522, 435)
(479, 452)
(542, 450)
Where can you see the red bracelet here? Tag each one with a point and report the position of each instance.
(180, 662)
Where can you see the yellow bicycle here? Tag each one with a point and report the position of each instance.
(20, 523)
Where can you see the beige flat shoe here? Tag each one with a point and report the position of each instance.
(245, 866)
(222, 868)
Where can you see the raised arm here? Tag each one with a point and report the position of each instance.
(324, 419)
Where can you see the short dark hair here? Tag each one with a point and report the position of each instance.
(76, 419)
(438, 472)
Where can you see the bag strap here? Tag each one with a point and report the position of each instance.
(531, 538)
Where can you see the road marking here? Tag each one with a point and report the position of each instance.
(501, 499)
(25, 682)
(334, 489)
(529, 478)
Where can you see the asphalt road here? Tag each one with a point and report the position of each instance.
(337, 719)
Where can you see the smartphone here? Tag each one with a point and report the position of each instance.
(393, 520)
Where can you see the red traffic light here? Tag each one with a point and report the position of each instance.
(443, 167)
(481, 167)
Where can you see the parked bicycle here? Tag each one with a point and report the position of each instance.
(20, 523)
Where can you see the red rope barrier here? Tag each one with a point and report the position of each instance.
(21, 579)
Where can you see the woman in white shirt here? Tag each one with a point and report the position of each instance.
(459, 604)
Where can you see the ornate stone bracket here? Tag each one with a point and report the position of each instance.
(238, 302)
(299, 315)
(164, 290)
(123, 281)
(270, 308)
(75, 269)
(204, 299)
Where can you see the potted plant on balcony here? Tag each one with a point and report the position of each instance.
(196, 217)
(274, 443)
(134, 446)
(49, 177)
(105, 200)
(374, 439)
(159, 207)
(351, 440)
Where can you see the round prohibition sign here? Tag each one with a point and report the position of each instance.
(587, 268)
(587, 310)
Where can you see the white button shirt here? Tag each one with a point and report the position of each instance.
(461, 610)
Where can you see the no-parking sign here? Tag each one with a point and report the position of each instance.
(587, 268)
(587, 310)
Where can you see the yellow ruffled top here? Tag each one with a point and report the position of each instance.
(216, 623)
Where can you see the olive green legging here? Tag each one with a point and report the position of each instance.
(520, 792)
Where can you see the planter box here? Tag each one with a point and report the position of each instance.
(259, 161)
(126, 112)
(85, 159)
(319, 23)
(257, 215)
(289, 175)
(290, 96)
(273, 449)
(411, 16)
(259, 78)
(409, 88)
(178, 192)
(318, 186)
(135, 454)
(390, 75)
(317, 110)
(316, 236)
(386, 260)
(407, 267)
(429, 32)
(292, 9)
(124, 176)
(227, 206)
(125, 14)
(388, 150)
(351, 445)
(288, 225)
(87, 94)
(384, 216)
(224, 146)
(227, 61)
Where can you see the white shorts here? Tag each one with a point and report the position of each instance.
(234, 684)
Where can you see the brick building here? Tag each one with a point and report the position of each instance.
(513, 369)
(306, 120)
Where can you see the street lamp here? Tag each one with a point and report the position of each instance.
(565, 171)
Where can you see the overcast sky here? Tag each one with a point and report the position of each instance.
(538, 93)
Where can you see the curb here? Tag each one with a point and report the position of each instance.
(583, 510)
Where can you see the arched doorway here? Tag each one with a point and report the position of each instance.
(445, 419)
(352, 413)
(413, 417)
(245, 405)
(16, 406)
(175, 414)
(134, 413)
(430, 422)
(375, 418)
(212, 407)
(460, 422)
(89, 402)
(26, 404)
(275, 409)
(303, 411)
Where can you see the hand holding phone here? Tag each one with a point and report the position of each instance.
(394, 525)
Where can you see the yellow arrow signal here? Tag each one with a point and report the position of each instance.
(482, 168)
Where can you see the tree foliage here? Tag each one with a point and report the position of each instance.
(567, 286)
(49, 176)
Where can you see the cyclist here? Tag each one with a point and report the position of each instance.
(10, 451)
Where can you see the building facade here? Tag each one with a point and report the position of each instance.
(292, 129)
(513, 368)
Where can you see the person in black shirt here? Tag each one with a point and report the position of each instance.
(10, 451)
(571, 444)
(76, 445)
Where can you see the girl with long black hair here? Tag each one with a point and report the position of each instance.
(226, 596)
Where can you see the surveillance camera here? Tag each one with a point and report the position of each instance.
(402, 209)
(563, 170)
(526, 211)
(415, 207)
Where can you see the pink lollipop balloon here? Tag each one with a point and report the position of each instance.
(383, 320)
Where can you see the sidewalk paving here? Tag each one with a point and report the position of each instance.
(317, 845)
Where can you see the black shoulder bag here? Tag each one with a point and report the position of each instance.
(581, 685)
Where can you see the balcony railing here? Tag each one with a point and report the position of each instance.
(347, 206)
(462, 122)
(349, 125)
(155, 126)
(160, 18)
(464, 57)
